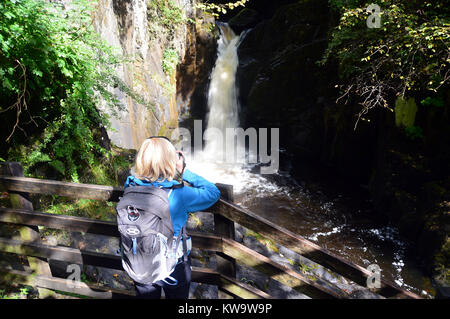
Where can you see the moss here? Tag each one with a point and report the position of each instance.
(405, 112)
(163, 130)
(197, 221)
(270, 244)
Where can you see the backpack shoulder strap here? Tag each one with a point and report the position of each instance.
(183, 233)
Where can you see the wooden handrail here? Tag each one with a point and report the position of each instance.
(76, 256)
(88, 225)
(21, 200)
(77, 287)
(225, 208)
(228, 284)
(307, 248)
(200, 240)
(66, 189)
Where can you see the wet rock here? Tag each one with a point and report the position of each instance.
(442, 289)
(245, 19)
(363, 294)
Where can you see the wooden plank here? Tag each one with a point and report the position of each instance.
(206, 241)
(70, 255)
(69, 223)
(66, 189)
(241, 290)
(60, 284)
(31, 233)
(225, 228)
(306, 248)
(278, 272)
(204, 275)
(19, 198)
(230, 285)
(226, 191)
(88, 225)
(75, 256)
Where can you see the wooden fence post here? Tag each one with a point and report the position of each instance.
(224, 227)
(27, 233)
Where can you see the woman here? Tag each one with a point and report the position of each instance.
(157, 163)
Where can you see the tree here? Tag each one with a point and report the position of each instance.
(408, 54)
(54, 68)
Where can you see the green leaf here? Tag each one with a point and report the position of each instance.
(37, 72)
(7, 84)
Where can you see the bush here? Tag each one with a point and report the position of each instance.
(54, 69)
(406, 56)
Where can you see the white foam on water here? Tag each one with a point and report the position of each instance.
(240, 176)
(335, 230)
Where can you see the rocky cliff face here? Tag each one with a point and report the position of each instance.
(138, 28)
(280, 84)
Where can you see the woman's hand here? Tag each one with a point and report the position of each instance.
(180, 162)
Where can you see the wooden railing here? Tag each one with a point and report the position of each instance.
(222, 242)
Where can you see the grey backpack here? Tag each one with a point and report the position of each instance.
(148, 247)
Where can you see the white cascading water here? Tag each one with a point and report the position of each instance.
(222, 96)
(223, 113)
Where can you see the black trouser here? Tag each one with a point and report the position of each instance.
(182, 274)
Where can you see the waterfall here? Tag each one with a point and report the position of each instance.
(223, 102)
(223, 113)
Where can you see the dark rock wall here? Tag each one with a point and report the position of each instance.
(281, 85)
(195, 68)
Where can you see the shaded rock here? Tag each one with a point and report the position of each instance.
(192, 78)
(245, 19)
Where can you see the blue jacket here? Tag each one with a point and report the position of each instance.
(200, 196)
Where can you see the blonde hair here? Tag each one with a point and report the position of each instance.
(156, 159)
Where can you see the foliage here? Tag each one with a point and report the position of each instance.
(408, 54)
(165, 19)
(217, 9)
(22, 294)
(82, 207)
(414, 132)
(436, 101)
(54, 71)
(171, 14)
(165, 15)
(170, 61)
(442, 261)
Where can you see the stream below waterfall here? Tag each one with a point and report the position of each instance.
(328, 214)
